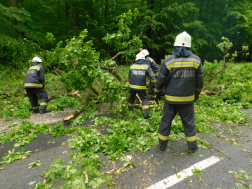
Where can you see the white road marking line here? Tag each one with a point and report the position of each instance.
(172, 180)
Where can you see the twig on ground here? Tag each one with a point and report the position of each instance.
(176, 166)
(86, 176)
(108, 172)
(241, 182)
(242, 178)
(219, 151)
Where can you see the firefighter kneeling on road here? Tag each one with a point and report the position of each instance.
(153, 66)
(34, 86)
(182, 75)
(137, 83)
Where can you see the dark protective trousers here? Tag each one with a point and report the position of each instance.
(186, 113)
(144, 98)
(33, 94)
(151, 88)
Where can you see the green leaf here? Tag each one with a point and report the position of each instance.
(16, 145)
(32, 182)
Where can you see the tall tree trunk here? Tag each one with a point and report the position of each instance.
(13, 4)
(201, 10)
(150, 4)
(74, 18)
(250, 52)
(160, 8)
(106, 21)
(106, 10)
(67, 7)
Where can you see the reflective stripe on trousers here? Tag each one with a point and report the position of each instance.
(186, 113)
(144, 98)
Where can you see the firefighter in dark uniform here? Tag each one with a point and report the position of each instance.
(153, 66)
(182, 76)
(137, 83)
(34, 86)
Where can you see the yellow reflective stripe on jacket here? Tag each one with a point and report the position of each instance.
(158, 90)
(43, 103)
(138, 67)
(151, 60)
(162, 137)
(153, 81)
(198, 89)
(34, 68)
(156, 74)
(129, 104)
(34, 108)
(183, 65)
(192, 138)
(145, 107)
(33, 85)
(137, 87)
(179, 98)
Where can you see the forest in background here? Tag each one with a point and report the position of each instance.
(29, 27)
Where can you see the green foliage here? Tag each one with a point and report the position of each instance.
(35, 163)
(12, 156)
(196, 172)
(113, 89)
(123, 39)
(20, 109)
(82, 119)
(59, 130)
(65, 101)
(242, 176)
(122, 136)
(75, 177)
(77, 60)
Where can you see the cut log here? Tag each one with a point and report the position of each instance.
(123, 52)
(115, 72)
(212, 92)
(139, 99)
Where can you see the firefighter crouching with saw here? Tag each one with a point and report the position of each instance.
(137, 83)
(182, 75)
(34, 86)
(153, 66)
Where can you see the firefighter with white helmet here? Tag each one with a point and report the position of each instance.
(137, 83)
(181, 75)
(34, 86)
(153, 66)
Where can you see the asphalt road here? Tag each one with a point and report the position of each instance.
(156, 165)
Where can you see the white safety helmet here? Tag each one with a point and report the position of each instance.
(36, 59)
(183, 40)
(140, 56)
(145, 52)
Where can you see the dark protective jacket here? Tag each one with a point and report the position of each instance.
(182, 78)
(153, 65)
(138, 73)
(35, 76)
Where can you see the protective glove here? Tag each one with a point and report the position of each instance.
(158, 97)
(196, 98)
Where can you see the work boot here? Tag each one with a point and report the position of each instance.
(36, 111)
(162, 148)
(44, 111)
(193, 149)
(130, 108)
